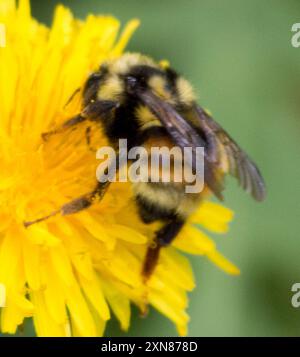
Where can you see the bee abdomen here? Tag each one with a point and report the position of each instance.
(162, 201)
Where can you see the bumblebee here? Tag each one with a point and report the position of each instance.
(150, 104)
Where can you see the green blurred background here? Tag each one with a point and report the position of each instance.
(238, 55)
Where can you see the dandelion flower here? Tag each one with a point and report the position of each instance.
(70, 274)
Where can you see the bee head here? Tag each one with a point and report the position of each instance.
(118, 80)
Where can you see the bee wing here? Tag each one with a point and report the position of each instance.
(226, 154)
(183, 135)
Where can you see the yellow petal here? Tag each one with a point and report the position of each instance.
(94, 293)
(62, 265)
(39, 234)
(223, 263)
(55, 302)
(7, 7)
(212, 216)
(127, 234)
(126, 35)
(80, 312)
(162, 304)
(45, 326)
(194, 241)
(119, 304)
(31, 254)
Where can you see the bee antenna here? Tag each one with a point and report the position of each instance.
(29, 223)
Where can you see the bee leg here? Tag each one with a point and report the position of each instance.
(84, 201)
(88, 139)
(93, 111)
(164, 236)
(79, 118)
(76, 205)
